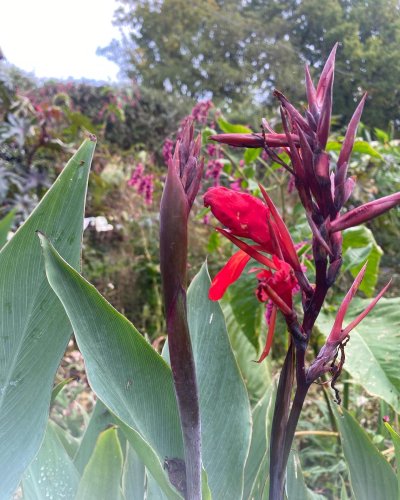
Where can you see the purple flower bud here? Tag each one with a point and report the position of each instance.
(254, 140)
(348, 142)
(365, 212)
(182, 184)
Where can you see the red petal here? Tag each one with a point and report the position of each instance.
(286, 242)
(270, 335)
(252, 250)
(228, 274)
(242, 213)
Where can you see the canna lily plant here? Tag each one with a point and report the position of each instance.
(186, 425)
(323, 190)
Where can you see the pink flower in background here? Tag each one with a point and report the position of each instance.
(200, 111)
(167, 149)
(146, 188)
(212, 150)
(136, 175)
(237, 185)
(144, 184)
(214, 168)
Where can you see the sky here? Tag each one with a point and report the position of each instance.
(59, 38)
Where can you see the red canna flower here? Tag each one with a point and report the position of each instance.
(228, 274)
(243, 214)
(278, 286)
(246, 216)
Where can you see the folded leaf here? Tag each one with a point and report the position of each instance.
(127, 374)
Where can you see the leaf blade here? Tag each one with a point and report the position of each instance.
(226, 433)
(34, 329)
(370, 474)
(126, 373)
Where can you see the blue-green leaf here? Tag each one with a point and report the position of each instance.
(370, 474)
(34, 329)
(224, 404)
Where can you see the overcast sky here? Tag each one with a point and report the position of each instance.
(58, 38)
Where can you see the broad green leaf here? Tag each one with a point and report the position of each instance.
(359, 246)
(133, 477)
(257, 377)
(343, 491)
(365, 147)
(381, 135)
(34, 329)
(127, 374)
(251, 154)
(205, 134)
(362, 147)
(5, 227)
(231, 128)
(52, 473)
(70, 442)
(100, 419)
(257, 465)
(101, 479)
(150, 459)
(396, 442)
(373, 352)
(370, 474)
(245, 307)
(153, 490)
(224, 404)
(296, 488)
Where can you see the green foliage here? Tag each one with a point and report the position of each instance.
(122, 368)
(296, 488)
(34, 328)
(396, 442)
(196, 49)
(5, 227)
(370, 474)
(231, 128)
(192, 49)
(374, 348)
(133, 479)
(52, 473)
(101, 479)
(219, 380)
(257, 464)
(359, 246)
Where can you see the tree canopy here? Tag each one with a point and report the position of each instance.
(241, 49)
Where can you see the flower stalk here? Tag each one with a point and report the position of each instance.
(182, 184)
(323, 190)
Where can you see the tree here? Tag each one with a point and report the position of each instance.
(240, 50)
(369, 55)
(201, 48)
